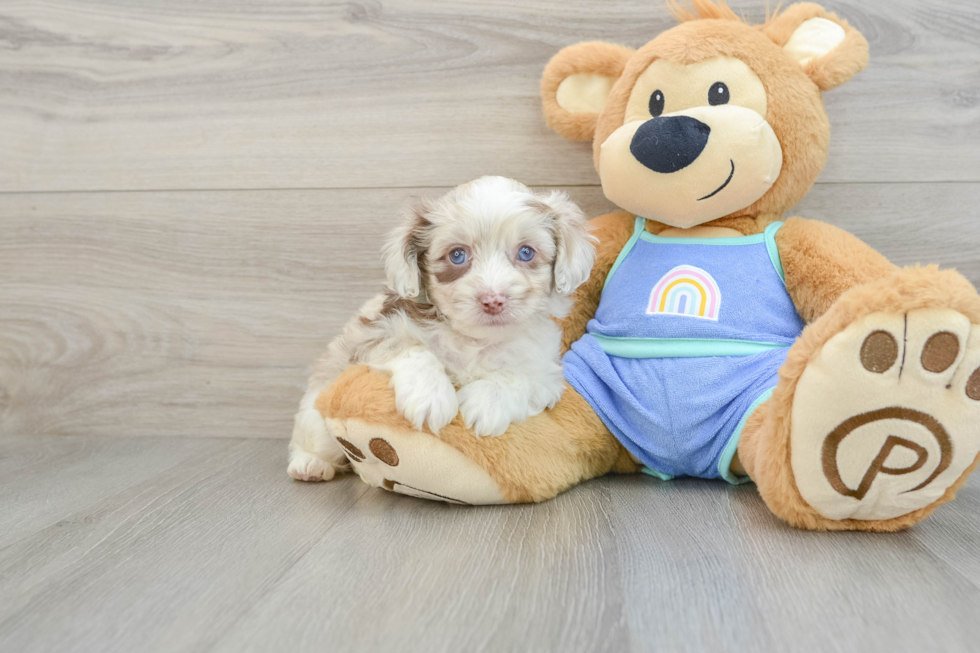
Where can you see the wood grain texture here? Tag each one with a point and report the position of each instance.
(180, 313)
(197, 313)
(222, 552)
(183, 94)
(165, 563)
(80, 471)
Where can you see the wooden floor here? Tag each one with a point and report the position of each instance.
(192, 195)
(204, 544)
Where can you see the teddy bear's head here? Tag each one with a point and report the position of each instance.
(714, 119)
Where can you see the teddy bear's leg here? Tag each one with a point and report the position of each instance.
(876, 418)
(531, 461)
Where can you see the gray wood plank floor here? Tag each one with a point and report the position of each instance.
(192, 196)
(202, 544)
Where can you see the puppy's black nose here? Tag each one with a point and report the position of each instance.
(669, 144)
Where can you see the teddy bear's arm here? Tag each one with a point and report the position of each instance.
(613, 231)
(821, 262)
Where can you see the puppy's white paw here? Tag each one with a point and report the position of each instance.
(545, 395)
(305, 466)
(485, 408)
(314, 454)
(425, 396)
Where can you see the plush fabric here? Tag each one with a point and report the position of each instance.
(532, 461)
(595, 58)
(881, 346)
(612, 231)
(794, 112)
(706, 308)
(846, 60)
(765, 447)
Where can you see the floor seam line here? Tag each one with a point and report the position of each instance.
(278, 579)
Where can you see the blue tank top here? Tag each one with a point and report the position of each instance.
(688, 339)
(684, 297)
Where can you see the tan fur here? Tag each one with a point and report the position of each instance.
(597, 58)
(764, 449)
(531, 462)
(745, 225)
(821, 262)
(795, 109)
(848, 59)
(703, 10)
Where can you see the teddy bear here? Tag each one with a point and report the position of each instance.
(715, 339)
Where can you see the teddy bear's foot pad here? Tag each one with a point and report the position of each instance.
(413, 463)
(886, 417)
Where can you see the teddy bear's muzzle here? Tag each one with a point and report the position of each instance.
(691, 166)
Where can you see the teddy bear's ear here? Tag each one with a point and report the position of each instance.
(829, 50)
(576, 83)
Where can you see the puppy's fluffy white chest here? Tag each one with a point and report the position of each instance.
(529, 351)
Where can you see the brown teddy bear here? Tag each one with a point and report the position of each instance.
(712, 339)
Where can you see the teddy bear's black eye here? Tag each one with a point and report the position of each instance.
(718, 94)
(656, 103)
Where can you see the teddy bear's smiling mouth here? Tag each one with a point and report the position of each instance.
(720, 188)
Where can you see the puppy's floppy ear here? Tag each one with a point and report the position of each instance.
(830, 51)
(576, 83)
(574, 245)
(403, 247)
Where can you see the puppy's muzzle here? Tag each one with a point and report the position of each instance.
(669, 144)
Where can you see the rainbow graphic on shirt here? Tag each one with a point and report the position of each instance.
(688, 291)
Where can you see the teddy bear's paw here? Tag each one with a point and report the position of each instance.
(304, 466)
(416, 464)
(886, 417)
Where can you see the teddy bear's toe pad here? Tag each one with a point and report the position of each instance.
(886, 417)
(413, 463)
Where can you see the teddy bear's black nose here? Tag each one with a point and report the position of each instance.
(669, 144)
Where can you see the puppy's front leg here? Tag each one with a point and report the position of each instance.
(546, 388)
(314, 454)
(491, 404)
(423, 392)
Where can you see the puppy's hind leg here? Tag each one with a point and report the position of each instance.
(314, 454)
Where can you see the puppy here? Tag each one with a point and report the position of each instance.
(474, 282)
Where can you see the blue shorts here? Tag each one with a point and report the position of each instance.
(678, 416)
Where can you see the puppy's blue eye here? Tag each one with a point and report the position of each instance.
(525, 253)
(457, 256)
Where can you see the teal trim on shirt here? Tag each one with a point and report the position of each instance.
(725, 462)
(770, 235)
(754, 239)
(680, 347)
(638, 228)
(650, 471)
